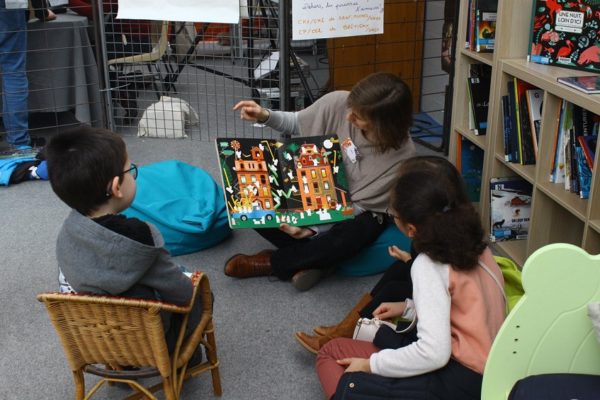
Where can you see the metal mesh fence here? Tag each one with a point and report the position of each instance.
(174, 79)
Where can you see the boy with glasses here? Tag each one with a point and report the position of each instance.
(98, 249)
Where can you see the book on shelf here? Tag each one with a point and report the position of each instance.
(535, 102)
(469, 162)
(299, 181)
(510, 208)
(481, 25)
(515, 143)
(523, 129)
(588, 146)
(587, 84)
(566, 34)
(584, 174)
(557, 175)
(507, 128)
(485, 31)
(478, 85)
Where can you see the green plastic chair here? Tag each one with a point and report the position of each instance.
(548, 330)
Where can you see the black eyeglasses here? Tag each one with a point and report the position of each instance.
(132, 170)
(391, 215)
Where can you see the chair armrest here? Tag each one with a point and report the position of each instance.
(186, 348)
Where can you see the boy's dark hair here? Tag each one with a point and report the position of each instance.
(386, 101)
(81, 164)
(433, 198)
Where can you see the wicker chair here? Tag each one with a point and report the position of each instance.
(105, 335)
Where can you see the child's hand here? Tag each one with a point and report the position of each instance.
(250, 111)
(297, 232)
(399, 254)
(389, 310)
(356, 364)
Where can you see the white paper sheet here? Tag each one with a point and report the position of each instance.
(223, 11)
(318, 19)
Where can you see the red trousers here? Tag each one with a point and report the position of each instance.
(329, 370)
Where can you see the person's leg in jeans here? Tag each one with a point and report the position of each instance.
(13, 56)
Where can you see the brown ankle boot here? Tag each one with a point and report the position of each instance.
(243, 266)
(311, 343)
(348, 322)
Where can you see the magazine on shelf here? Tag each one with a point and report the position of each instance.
(510, 206)
(298, 181)
(566, 34)
(586, 84)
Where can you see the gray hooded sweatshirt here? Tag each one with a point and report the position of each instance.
(97, 260)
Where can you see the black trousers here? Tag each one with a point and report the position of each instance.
(452, 382)
(394, 285)
(343, 241)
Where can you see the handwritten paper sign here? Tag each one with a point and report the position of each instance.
(320, 19)
(224, 11)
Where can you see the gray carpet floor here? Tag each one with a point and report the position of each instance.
(254, 318)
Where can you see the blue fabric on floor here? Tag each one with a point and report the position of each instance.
(184, 202)
(375, 258)
(7, 166)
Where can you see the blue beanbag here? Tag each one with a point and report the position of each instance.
(184, 203)
(375, 258)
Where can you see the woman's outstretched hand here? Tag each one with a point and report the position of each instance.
(356, 364)
(297, 232)
(250, 111)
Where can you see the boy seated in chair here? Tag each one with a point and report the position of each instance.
(99, 250)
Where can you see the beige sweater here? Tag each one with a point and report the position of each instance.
(371, 177)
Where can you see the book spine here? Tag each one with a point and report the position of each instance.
(527, 151)
(584, 174)
(514, 133)
(553, 169)
(507, 128)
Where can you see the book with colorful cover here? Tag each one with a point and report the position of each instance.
(566, 34)
(485, 25)
(587, 84)
(299, 181)
(510, 208)
(485, 32)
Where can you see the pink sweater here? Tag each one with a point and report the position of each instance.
(476, 312)
(459, 314)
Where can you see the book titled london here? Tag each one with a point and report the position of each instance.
(298, 181)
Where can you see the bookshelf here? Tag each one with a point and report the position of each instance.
(556, 215)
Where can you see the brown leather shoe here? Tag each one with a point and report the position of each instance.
(243, 266)
(311, 343)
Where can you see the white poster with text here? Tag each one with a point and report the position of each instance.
(319, 19)
(223, 11)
